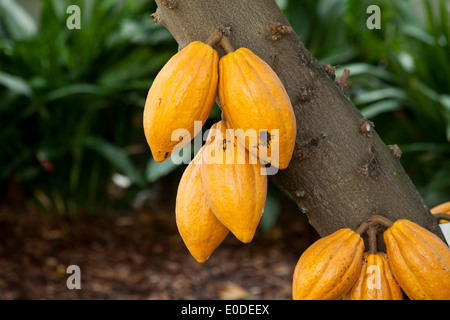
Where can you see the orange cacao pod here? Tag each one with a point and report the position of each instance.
(255, 101)
(183, 92)
(199, 228)
(234, 187)
(376, 281)
(329, 267)
(419, 260)
(442, 208)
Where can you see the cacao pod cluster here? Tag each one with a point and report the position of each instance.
(224, 187)
(416, 264)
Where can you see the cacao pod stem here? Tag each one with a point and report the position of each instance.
(442, 216)
(214, 38)
(380, 220)
(226, 44)
(363, 227)
(372, 233)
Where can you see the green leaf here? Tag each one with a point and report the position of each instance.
(330, 8)
(116, 156)
(139, 32)
(444, 99)
(271, 210)
(425, 147)
(357, 69)
(74, 89)
(15, 84)
(339, 57)
(156, 170)
(282, 4)
(59, 8)
(301, 23)
(19, 23)
(380, 107)
(380, 94)
(134, 65)
(154, 37)
(418, 32)
(406, 60)
(436, 191)
(426, 90)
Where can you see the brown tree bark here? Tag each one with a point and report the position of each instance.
(341, 171)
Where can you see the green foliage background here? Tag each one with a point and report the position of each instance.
(71, 101)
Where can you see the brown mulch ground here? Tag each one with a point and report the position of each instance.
(140, 255)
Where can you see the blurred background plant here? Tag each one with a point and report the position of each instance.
(71, 101)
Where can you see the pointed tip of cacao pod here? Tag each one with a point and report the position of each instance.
(244, 237)
(200, 253)
(161, 156)
(201, 259)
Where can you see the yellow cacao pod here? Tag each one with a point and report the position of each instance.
(419, 260)
(234, 186)
(376, 281)
(255, 103)
(329, 267)
(442, 208)
(199, 228)
(183, 92)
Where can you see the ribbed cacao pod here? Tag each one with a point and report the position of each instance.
(442, 208)
(419, 260)
(329, 267)
(184, 91)
(199, 228)
(376, 281)
(234, 185)
(255, 101)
